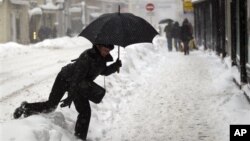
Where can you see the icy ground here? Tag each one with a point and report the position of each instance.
(158, 95)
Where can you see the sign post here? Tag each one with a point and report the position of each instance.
(150, 7)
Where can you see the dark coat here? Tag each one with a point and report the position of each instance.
(44, 33)
(168, 29)
(186, 31)
(87, 67)
(176, 30)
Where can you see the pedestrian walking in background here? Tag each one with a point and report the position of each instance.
(186, 34)
(176, 35)
(44, 33)
(169, 36)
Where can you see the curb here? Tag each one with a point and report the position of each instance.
(240, 87)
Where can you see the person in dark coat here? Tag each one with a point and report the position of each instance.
(169, 36)
(186, 35)
(77, 79)
(44, 33)
(176, 35)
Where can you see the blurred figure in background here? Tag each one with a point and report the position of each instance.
(176, 35)
(169, 36)
(44, 33)
(186, 34)
(69, 32)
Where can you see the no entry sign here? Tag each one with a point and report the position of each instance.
(150, 7)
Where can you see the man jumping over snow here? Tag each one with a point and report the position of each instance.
(77, 79)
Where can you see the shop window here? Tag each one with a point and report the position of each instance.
(248, 27)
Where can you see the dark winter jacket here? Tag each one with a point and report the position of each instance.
(87, 67)
(186, 31)
(176, 30)
(168, 30)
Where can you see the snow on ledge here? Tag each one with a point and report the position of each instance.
(75, 10)
(50, 6)
(35, 11)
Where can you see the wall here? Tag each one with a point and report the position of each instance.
(8, 13)
(20, 12)
(3, 22)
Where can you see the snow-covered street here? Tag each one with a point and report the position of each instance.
(158, 95)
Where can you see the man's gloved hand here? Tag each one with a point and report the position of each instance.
(67, 101)
(118, 63)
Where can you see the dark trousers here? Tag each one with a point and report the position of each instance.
(177, 43)
(59, 88)
(82, 106)
(170, 44)
(83, 119)
(186, 47)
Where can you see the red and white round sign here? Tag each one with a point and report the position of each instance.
(150, 7)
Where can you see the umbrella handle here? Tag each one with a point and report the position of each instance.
(118, 70)
(118, 52)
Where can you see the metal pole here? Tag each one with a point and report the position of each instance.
(118, 52)
(119, 8)
(118, 58)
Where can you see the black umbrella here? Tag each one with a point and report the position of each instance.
(120, 29)
(163, 21)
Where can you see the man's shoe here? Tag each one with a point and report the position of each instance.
(20, 110)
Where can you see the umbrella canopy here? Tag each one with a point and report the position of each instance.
(120, 29)
(163, 21)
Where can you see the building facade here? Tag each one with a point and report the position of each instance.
(30, 21)
(224, 26)
(95, 8)
(14, 21)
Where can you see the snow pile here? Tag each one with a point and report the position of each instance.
(35, 11)
(13, 49)
(63, 42)
(51, 127)
(50, 5)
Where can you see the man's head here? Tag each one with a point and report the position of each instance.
(104, 49)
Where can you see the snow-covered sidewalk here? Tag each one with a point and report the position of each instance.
(158, 95)
(183, 98)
